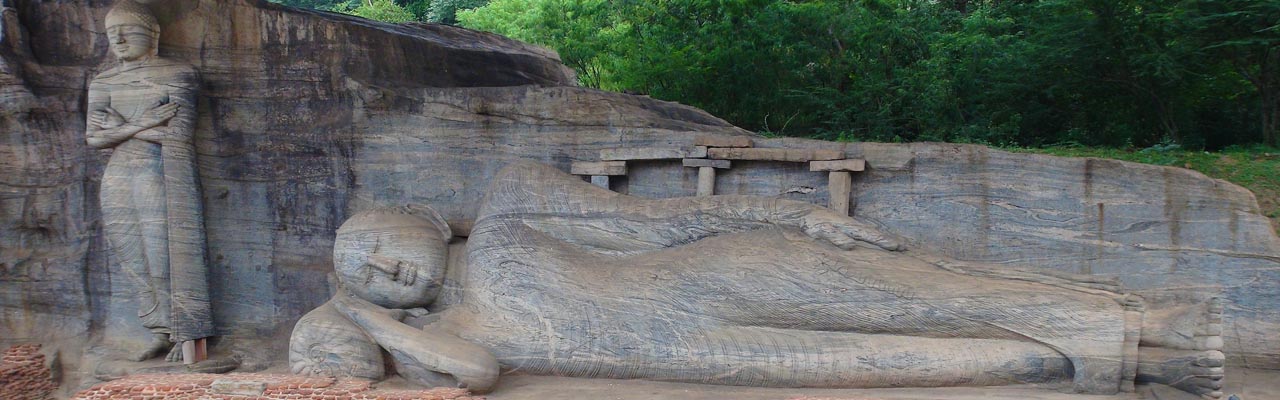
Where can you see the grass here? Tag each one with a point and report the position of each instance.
(1255, 168)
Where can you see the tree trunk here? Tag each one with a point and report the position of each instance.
(1270, 113)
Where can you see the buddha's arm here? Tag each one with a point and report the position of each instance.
(422, 354)
(734, 211)
(99, 133)
(566, 207)
(106, 128)
(180, 128)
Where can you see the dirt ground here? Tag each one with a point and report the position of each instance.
(1247, 384)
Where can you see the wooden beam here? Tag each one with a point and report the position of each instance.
(605, 168)
(790, 155)
(722, 141)
(849, 165)
(704, 162)
(652, 153)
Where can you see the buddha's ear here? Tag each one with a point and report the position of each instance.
(434, 217)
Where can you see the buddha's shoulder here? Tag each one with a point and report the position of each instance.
(156, 68)
(173, 69)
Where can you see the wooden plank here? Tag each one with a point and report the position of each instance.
(790, 155)
(604, 168)
(839, 186)
(706, 181)
(706, 162)
(722, 141)
(849, 165)
(651, 153)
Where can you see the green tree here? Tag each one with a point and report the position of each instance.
(378, 10)
(445, 11)
(582, 31)
(313, 4)
(1026, 72)
(1245, 35)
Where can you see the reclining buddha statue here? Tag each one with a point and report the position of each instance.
(560, 277)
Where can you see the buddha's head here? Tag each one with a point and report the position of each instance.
(393, 257)
(133, 31)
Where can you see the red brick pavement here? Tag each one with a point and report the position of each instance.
(23, 374)
(278, 387)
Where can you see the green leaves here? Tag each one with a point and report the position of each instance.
(378, 10)
(1114, 73)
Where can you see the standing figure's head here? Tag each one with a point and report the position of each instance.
(133, 31)
(393, 257)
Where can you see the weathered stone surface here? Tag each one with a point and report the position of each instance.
(551, 253)
(144, 110)
(309, 117)
(761, 154)
(265, 68)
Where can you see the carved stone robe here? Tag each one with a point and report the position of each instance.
(150, 197)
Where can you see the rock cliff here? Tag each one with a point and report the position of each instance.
(307, 117)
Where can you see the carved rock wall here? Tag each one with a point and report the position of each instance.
(308, 117)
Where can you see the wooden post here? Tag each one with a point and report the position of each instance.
(189, 352)
(706, 181)
(840, 180)
(599, 171)
(202, 349)
(194, 351)
(706, 173)
(600, 180)
(839, 185)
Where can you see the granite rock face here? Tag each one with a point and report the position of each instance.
(306, 118)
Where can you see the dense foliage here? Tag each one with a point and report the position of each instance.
(439, 11)
(1121, 73)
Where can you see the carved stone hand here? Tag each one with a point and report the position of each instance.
(845, 232)
(157, 115)
(106, 118)
(398, 270)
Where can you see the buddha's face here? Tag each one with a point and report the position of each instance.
(391, 259)
(131, 42)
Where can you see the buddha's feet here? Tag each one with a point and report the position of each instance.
(1196, 326)
(175, 354)
(1195, 371)
(1181, 347)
